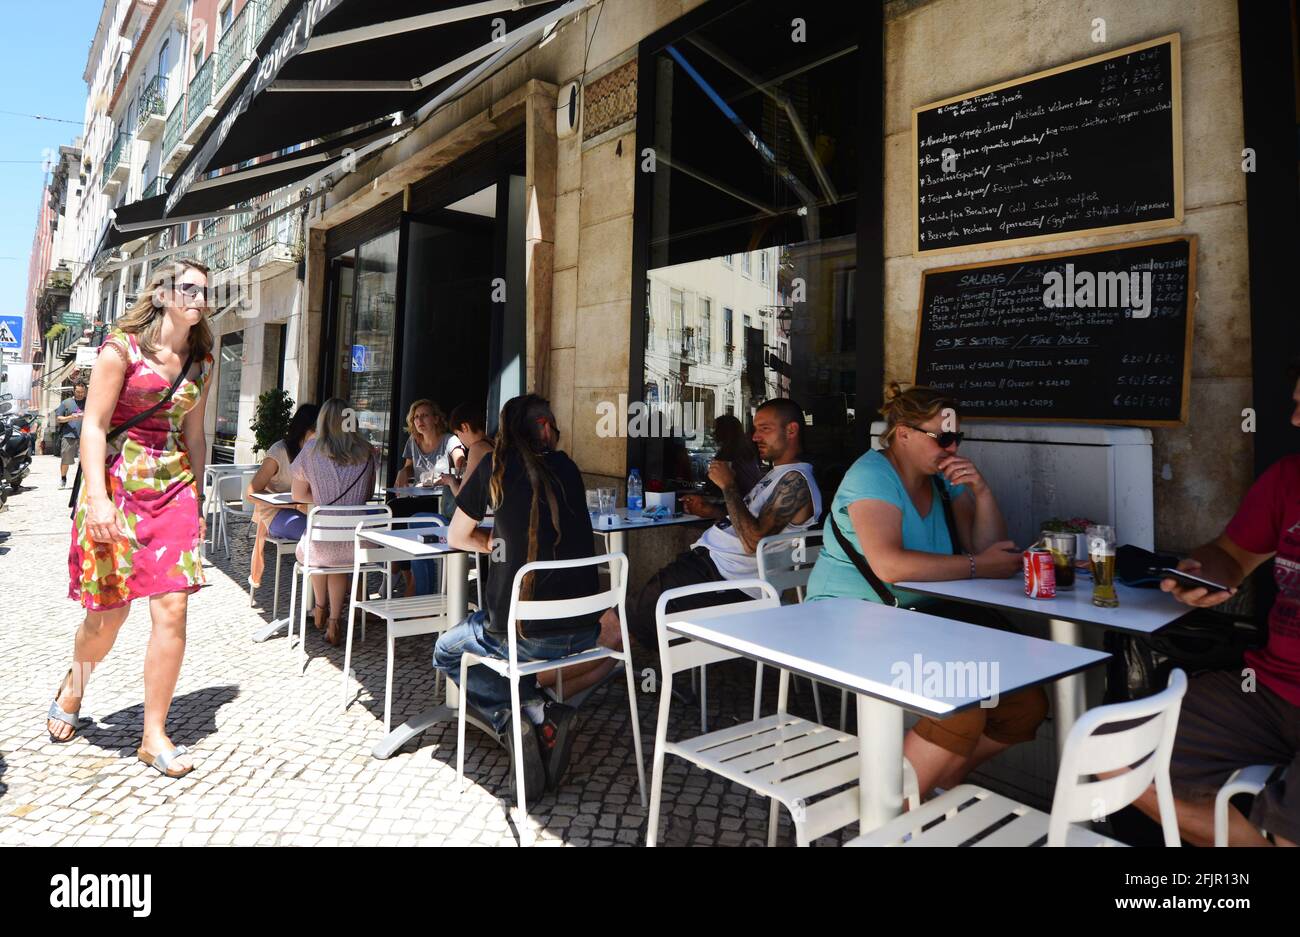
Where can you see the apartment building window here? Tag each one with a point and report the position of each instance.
(728, 260)
(728, 337)
(706, 331)
(745, 269)
(224, 18)
(163, 61)
(764, 267)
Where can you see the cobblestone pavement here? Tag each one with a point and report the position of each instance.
(280, 762)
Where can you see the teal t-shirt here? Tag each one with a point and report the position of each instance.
(872, 477)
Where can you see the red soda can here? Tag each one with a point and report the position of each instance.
(1040, 573)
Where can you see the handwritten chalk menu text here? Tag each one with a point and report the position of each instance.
(1101, 335)
(1091, 146)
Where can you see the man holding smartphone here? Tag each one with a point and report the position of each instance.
(1231, 720)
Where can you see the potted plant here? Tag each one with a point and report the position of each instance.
(271, 418)
(1074, 525)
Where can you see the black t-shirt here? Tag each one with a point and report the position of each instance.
(510, 540)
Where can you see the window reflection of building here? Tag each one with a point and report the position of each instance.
(770, 172)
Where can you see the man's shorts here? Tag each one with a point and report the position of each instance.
(1013, 720)
(69, 450)
(1221, 727)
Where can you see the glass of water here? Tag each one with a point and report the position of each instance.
(607, 501)
(593, 503)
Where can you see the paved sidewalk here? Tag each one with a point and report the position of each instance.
(281, 763)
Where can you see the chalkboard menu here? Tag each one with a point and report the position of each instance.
(1092, 146)
(1098, 336)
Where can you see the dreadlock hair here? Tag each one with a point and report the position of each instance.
(519, 432)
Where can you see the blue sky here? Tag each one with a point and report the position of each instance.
(43, 48)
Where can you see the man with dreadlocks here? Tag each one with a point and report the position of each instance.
(540, 508)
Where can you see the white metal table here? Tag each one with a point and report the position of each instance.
(416, 491)
(884, 656)
(1140, 611)
(614, 527)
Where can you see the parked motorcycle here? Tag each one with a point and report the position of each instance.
(17, 444)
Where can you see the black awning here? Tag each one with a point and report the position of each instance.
(327, 65)
(147, 216)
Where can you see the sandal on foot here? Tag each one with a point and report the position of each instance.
(58, 715)
(164, 761)
(318, 613)
(334, 625)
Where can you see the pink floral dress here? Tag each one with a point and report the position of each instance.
(153, 488)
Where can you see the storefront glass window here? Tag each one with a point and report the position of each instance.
(229, 372)
(366, 312)
(770, 172)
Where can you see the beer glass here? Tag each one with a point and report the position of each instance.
(1101, 555)
(608, 501)
(593, 503)
(1062, 547)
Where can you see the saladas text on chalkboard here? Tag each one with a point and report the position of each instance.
(1091, 146)
(1101, 335)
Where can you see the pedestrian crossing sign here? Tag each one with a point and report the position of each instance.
(11, 331)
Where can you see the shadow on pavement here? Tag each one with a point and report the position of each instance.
(191, 720)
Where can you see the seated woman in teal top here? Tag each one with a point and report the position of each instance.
(889, 509)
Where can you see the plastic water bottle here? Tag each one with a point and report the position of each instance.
(635, 496)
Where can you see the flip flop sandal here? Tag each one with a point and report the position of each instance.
(58, 715)
(163, 761)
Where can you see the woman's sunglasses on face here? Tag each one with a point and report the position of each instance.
(192, 291)
(944, 439)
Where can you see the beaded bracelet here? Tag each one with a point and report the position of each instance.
(971, 557)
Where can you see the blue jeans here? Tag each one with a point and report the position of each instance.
(488, 691)
(425, 572)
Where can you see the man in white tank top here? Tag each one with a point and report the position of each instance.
(785, 500)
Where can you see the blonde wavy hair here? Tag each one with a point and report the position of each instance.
(144, 320)
(912, 407)
(439, 418)
(340, 445)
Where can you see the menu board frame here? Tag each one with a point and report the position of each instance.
(1176, 96)
(1189, 329)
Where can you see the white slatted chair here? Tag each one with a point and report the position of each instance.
(403, 617)
(513, 668)
(231, 505)
(787, 561)
(211, 506)
(782, 757)
(283, 547)
(1249, 780)
(333, 524)
(969, 811)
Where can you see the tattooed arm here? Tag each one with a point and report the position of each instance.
(790, 503)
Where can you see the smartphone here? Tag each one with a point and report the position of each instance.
(429, 538)
(1182, 577)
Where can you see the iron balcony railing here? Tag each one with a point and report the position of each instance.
(157, 187)
(200, 92)
(235, 46)
(268, 12)
(115, 153)
(174, 126)
(153, 101)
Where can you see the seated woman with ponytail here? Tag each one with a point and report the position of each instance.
(916, 510)
(540, 507)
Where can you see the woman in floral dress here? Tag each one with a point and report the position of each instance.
(138, 524)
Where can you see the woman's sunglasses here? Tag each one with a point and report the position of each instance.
(944, 439)
(192, 291)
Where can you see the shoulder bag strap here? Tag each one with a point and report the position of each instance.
(365, 467)
(883, 591)
(948, 517)
(115, 431)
